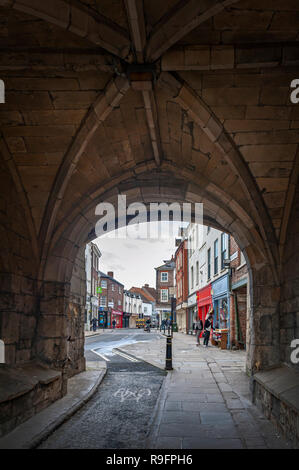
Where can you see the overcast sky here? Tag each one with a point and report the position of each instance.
(133, 260)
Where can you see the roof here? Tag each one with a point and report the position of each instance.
(150, 290)
(168, 265)
(109, 277)
(146, 297)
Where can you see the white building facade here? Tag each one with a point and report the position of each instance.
(92, 256)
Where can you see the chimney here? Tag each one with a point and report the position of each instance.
(110, 273)
(146, 285)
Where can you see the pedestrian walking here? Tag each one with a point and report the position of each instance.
(94, 324)
(198, 330)
(113, 324)
(207, 327)
(163, 325)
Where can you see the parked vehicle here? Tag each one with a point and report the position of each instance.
(140, 322)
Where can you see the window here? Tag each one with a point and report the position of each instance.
(104, 284)
(209, 263)
(112, 287)
(208, 229)
(224, 240)
(164, 277)
(145, 309)
(197, 273)
(216, 256)
(103, 301)
(192, 277)
(164, 295)
(119, 289)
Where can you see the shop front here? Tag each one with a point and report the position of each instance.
(221, 300)
(181, 317)
(191, 313)
(116, 316)
(204, 302)
(102, 318)
(126, 319)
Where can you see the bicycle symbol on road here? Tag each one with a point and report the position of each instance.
(125, 393)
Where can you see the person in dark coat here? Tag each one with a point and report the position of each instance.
(198, 330)
(208, 326)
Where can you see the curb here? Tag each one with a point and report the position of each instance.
(151, 437)
(31, 433)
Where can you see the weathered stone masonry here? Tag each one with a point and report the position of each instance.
(163, 101)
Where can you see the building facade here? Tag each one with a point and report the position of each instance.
(110, 301)
(181, 276)
(132, 305)
(92, 256)
(240, 299)
(165, 287)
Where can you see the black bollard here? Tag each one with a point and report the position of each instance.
(168, 363)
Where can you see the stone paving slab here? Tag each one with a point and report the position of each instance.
(81, 387)
(206, 400)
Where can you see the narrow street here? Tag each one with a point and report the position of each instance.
(119, 414)
(204, 402)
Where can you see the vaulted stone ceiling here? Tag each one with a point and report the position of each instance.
(195, 92)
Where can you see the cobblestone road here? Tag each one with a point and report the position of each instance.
(119, 414)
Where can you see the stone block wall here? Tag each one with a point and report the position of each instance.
(60, 332)
(75, 316)
(289, 307)
(284, 417)
(17, 284)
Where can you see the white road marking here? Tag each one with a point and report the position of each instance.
(132, 359)
(101, 355)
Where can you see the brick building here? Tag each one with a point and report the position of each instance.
(165, 288)
(181, 278)
(110, 301)
(239, 302)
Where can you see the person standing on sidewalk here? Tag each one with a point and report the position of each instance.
(94, 324)
(198, 330)
(207, 328)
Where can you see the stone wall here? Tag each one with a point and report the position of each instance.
(75, 316)
(289, 311)
(60, 333)
(17, 284)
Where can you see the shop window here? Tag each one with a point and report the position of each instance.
(2, 352)
(221, 314)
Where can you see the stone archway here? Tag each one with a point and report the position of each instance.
(63, 282)
(180, 101)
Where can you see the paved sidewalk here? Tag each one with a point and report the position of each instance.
(94, 333)
(205, 401)
(81, 387)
